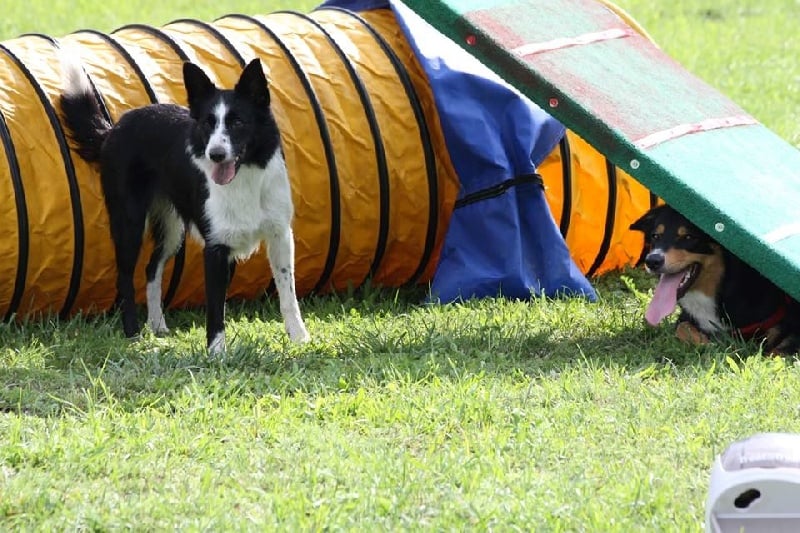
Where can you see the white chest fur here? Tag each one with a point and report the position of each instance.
(703, 309)
(251, 208)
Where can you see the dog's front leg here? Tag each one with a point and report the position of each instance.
(217, 271)
(689, 333)
(280, 252)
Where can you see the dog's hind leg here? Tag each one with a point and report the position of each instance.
(280, 252)
(127, 230)
(168, 231)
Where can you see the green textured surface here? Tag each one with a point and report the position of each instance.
(743, 180)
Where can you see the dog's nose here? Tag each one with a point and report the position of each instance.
(654, 260)
(217, 155)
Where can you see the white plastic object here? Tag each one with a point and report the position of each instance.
(755, 486)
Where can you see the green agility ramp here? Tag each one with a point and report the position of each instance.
(678, 136)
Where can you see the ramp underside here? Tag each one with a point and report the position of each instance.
(674, 133)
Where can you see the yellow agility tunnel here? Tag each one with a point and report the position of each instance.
(373, 183)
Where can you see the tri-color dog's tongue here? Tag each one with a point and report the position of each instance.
(223, 173)
(665, 298)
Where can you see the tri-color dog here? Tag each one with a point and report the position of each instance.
(717, 292)
(215, 168)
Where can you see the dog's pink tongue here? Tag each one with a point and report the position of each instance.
(223, 173)
(665, 298)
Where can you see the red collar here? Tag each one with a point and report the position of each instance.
(769, 322)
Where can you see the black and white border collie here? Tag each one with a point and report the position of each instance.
(716, 291)
(215, 168)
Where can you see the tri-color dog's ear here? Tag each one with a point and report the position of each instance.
(646, 221)
(253, 84)
(198, 86)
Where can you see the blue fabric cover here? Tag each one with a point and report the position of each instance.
(508, 244)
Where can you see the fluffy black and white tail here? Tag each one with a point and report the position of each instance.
(83, 116)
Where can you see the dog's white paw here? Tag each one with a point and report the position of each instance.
(217, 346)
(298, 333)
(159, 328)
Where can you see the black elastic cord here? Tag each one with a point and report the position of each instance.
(496, 190)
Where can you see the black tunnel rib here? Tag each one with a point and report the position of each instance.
(158, 34)
(180, 256)
(114, 44)
(23, 227)
(566, 177)
(377, 138)
(611, 211)
(425, 140)
(72, 181)
(214, 32)
(330, 157)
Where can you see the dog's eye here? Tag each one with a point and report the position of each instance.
(655, 236)
(687, 237)
(235, 122)
(210, 122)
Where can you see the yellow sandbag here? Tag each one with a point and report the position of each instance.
(372, 181)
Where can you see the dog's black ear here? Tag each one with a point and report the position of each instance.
(253, 84)
(198, 86)
(646, 222)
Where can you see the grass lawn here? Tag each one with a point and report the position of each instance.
(492, 414)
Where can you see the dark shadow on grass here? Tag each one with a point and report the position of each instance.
(76, 365)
